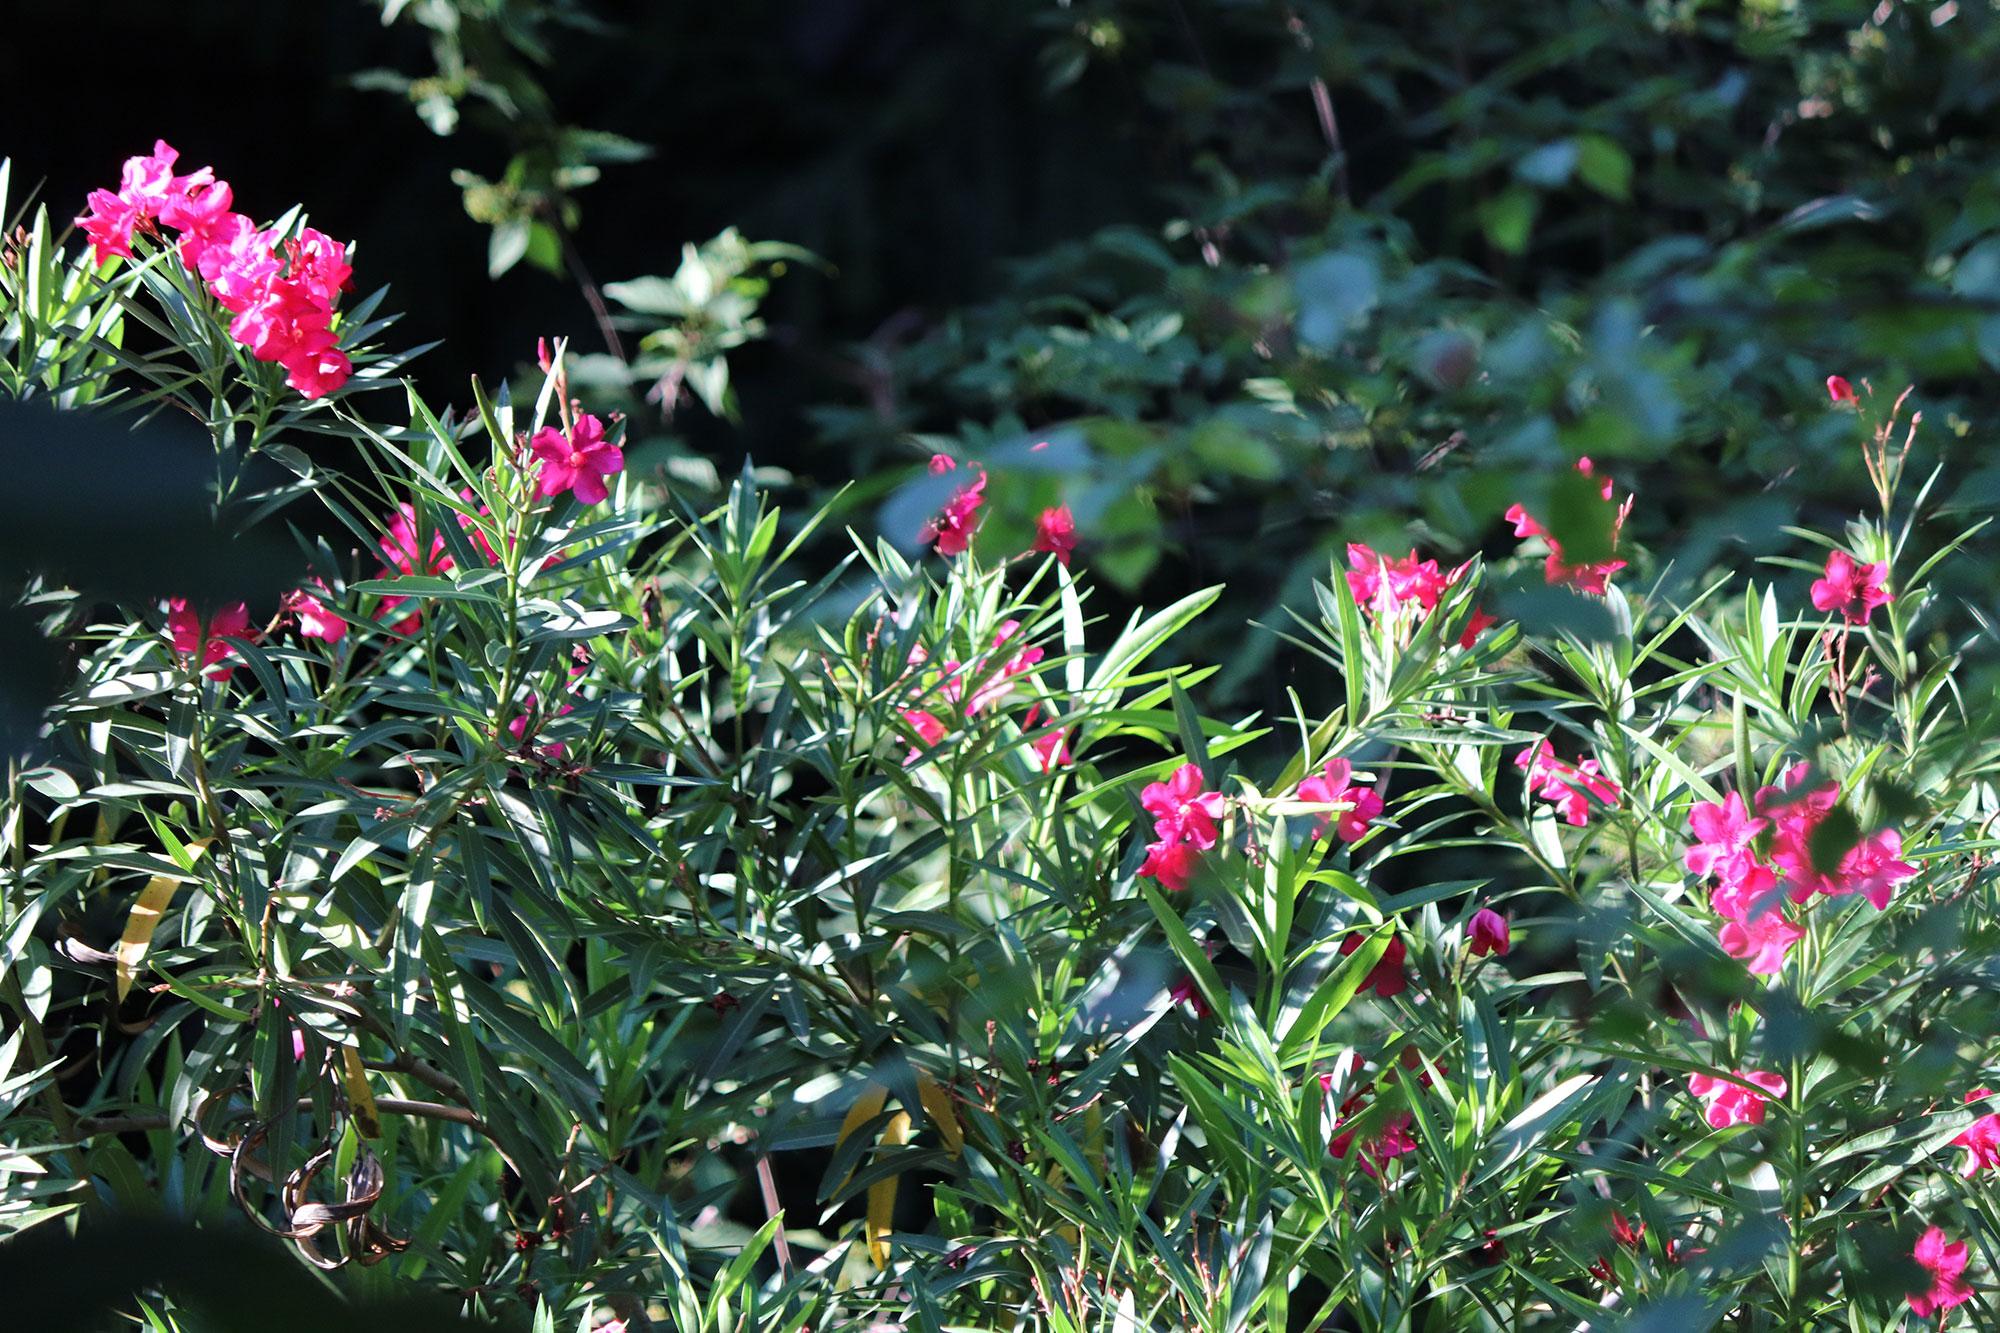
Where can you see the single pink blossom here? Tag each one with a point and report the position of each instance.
(1569, 787)
(312, 605)
(108, 223)
(1725, 835)
(1625, 1233)
(1333, 786)
(1839, 390)
(1945, 1262)
(1387, 978)
(577, 462)
(1182, 809)
(1055, 533)
(952, 529)
(1745, 895)
(930, 731)
(203, 218)
(941, 464)
(1730, 1103)
(239, 262)
(1184, 991)
(1762, 942)
(1171, 863)
(1487, 933)
(1051, 747)
(195, 635)
(1981, 1139)
(1852, 589)
(1871, 868)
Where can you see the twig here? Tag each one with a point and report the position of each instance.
(1322, 97)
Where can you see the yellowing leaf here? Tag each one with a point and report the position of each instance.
(882, 1194)
(145, 919)
(360, 1101)
(937, 1105)
(866, 1107)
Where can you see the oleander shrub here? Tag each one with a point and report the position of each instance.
(499, 877)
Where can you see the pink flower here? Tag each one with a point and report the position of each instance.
(1589, 578)
(1570, 787)
(1184, 824)
(317, 373)
(1839, 390)
(996, 688)
(203, 218)
(1871, 867)
(1730, 1103)
(317, 265)
(194, 634)
(1981, 1139)
(313, 607)
(147, 186)
(108, 224)
(1171, 863)
(1487, 933)
(1854, 590)
(930, 730)
(399, 552)
(1724, 835)
(941, 464)
(1944, 1262)
(1185, 992)
(1387, 978)
(1476, 624)
(1052, 747)
(577, 462)
(1182, 808)
(1382, 587)
(1391, 1141)
(1762, 942)
(518, 725)
(149, 181)
(1332, 786)
(952, 529)
(1055, 533)
(238, 262)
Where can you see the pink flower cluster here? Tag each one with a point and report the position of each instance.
(400, 556)
(1730, 1103)
(1555, 569)
(281, 290)
(1569, 787)
(1746, 855)
(1383, 587)
(1184, 825)
(951, 532)
(1393, 1139)
(1333, 785)
(980, 686)
(1851, 588)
